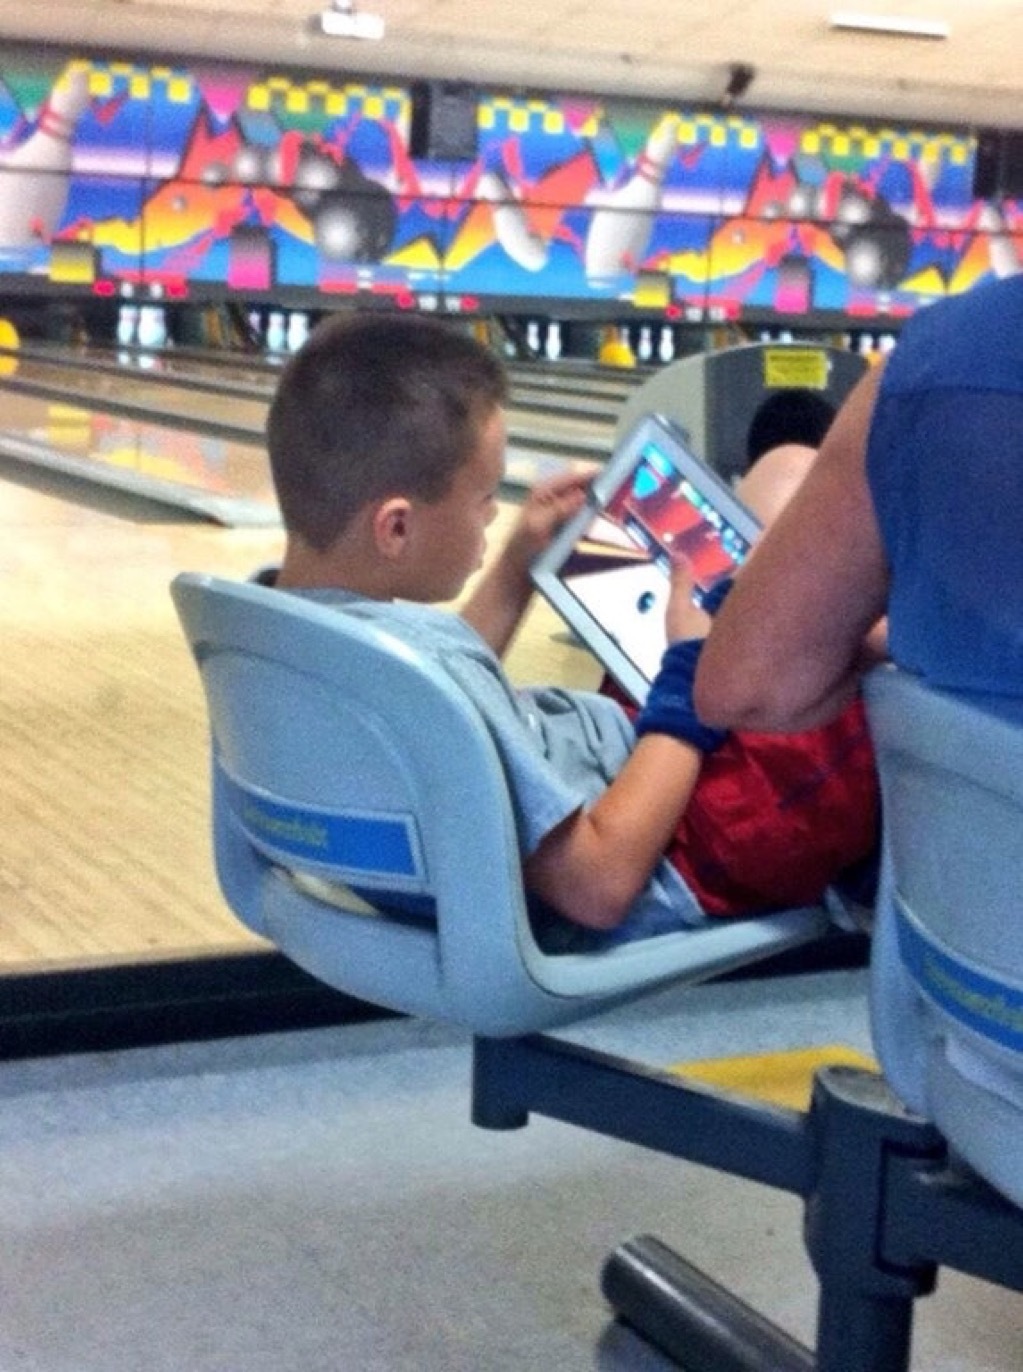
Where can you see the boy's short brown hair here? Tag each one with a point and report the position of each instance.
(375, 405)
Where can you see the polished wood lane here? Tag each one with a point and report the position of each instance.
(104, 853)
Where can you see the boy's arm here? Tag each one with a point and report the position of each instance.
(503, 592)
(595, 863)
(788, 648)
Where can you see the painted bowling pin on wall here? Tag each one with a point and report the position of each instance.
(623, 219)
(511, 226)
(31, 205)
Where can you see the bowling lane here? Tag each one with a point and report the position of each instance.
(213, 410)
(220, 479)
(134, 395)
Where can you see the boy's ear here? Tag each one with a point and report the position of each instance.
(392, 524)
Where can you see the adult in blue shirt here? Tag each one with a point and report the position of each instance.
(914, 510)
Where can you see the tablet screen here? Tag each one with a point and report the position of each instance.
(608, 572)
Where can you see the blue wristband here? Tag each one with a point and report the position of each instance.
(669, 705)
(715, 597)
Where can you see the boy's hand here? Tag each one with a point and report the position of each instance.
(505, 589)
(548, 505)
(682, 618)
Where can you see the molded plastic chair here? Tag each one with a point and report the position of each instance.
(341, 755)
(947, 960)
(890, 1196)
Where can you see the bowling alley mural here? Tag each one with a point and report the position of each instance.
(211, 182)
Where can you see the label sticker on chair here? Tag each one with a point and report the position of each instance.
(990, 1007)
(356, 841)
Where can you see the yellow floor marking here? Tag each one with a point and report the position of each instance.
(784, 1078)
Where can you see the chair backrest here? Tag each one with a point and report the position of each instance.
(947, 960)
(341, 755)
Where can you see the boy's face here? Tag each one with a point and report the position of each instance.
(450, 533)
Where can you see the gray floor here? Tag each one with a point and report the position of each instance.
(319, 1200)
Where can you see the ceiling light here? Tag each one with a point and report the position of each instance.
(342, 20)
(893, 25)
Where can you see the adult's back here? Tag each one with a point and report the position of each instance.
(914, 510)
(945, 471)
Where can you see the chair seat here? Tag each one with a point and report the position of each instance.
(343, 756)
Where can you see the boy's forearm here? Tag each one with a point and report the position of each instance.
(593, 866)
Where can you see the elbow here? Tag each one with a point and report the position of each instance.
(601, 903)
(731, 703)
(763, 701)
(773, 706)
(603, 907)
(732, 711)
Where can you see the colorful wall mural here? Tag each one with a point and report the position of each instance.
(213, 182)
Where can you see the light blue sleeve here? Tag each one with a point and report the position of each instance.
(541, 797)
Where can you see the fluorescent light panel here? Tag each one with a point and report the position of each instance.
(894, 25)
(344, 21)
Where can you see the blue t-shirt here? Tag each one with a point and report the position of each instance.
(945, 469)
(559, 749)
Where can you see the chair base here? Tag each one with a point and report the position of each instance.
(686, 1314)
(883, 1207)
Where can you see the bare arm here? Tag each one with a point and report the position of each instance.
(503, 593)
(592, 867)
(787, 649)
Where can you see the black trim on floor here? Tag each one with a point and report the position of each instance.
(164, 1000)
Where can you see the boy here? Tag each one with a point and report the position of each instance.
(386, 440)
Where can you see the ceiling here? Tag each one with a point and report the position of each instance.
(678, 50)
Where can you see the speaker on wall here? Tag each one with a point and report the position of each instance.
(444, 121)
(998, 166)
(985, 166)
(1012, 167)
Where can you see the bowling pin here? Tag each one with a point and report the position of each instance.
(623, 221)
(152, 327)
(553, 347)
(298, 330)
(666, 344)
(645, 346)
(31, 206)
(146, 332)
(127, 323)
(533, 337)
(276, 332)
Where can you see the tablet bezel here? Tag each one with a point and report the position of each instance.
(547, 569)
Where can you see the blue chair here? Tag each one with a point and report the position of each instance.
(947, 960)
(362, 824)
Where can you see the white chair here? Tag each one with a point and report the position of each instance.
(947, 960)
(342, 757)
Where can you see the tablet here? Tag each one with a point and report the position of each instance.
(606, 573)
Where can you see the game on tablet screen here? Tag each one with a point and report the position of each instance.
(619, 568)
